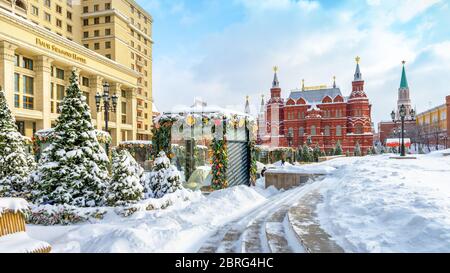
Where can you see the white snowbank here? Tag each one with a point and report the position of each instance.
(13, 204)
(315, 168)
(377, 204)
(182, 227)
(20, 243)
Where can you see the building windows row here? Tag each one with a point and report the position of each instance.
(26, 62)
(97, 21)
(47, 16)
(97, 33)
(326, 114)
(313, 131)
(96, 7)
(97, 45)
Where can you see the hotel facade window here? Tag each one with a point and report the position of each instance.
(28, 63)
(34, 10)
(48, 17)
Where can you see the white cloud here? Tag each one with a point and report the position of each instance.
(304, 5)
(373, 2)
(409, 9)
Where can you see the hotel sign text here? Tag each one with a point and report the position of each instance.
(59, 50)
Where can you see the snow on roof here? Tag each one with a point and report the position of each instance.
(396, 140)
(13, 204)
(48, 132)
(136, 142)
(198, 109)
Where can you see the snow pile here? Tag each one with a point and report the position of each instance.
(20, 243)
(304, 169)
(13, 204)
(377, 204)
(260, 187)
(177, 198)
(182, 227)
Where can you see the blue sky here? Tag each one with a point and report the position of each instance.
(223, 50)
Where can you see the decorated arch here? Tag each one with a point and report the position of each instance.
(229, 138)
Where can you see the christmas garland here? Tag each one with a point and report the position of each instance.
(162, 133)
(219, 158)
(253, 166)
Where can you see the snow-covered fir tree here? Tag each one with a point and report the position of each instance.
(338, 148)
(316, 153)
(125, 187)
(357, 151)
(164, 178)
(15, 163)
(306, 154)
(74, 168)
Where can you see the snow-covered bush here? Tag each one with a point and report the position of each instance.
(164, 178)
(73, 170)
(338, 149)
(306, 154)
(48, 215)
(15, 163)
(125, 187)
(316, 153)
(357, 151)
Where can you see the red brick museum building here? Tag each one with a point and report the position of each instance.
(317, 116)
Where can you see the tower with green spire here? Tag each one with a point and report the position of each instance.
(404, 81)
(403, 93)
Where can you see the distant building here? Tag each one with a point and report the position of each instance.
(318, 116)
(433, 125)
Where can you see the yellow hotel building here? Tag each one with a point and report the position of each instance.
(42, 41)
(434, 124)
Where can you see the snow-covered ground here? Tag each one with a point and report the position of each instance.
(182, 227)
(370, 204)
(377, 204)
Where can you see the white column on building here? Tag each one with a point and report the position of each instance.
(7, 51)
(43, 88)
(133, 112)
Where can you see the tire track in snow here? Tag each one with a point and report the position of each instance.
(248, 234)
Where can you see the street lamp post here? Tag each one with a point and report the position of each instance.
(403, 114)
(309, 140)
(290, 137)
(107, 106)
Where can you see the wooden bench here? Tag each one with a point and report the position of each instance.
(13, 236)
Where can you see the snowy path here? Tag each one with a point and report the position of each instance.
(263, 230)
